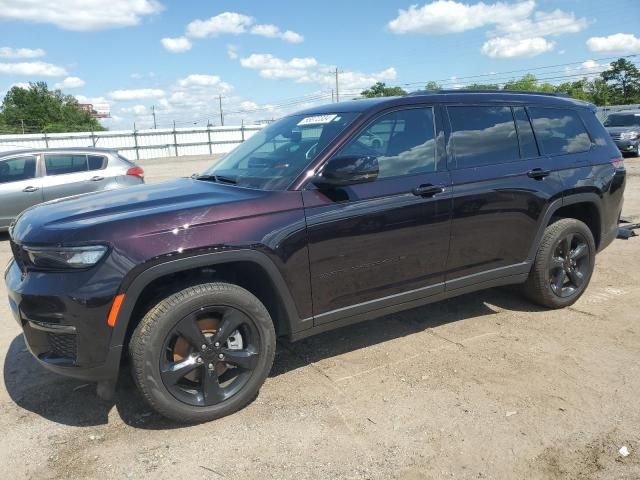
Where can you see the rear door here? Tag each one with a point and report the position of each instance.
(501, 186)
(378, 244)
(67, 174)
(20, 186)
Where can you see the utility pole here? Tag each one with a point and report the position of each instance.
(221, 112)
(332, 96)
(153, 112)
(22, 122)
(337, 86)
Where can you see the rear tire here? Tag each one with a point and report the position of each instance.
(563, 266)
(199, 374)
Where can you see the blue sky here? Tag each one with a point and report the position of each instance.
(268, 58)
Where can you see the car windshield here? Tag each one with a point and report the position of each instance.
(626, 120)
(273, 157)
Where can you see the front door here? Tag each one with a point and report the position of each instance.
(385, 242)
(66, 175)
(20, 187)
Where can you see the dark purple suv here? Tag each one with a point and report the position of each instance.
(328, 217)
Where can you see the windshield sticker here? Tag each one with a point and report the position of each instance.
(317, 120)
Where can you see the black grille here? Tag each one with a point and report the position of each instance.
(20, 255)
(615, 136)
(62, 345)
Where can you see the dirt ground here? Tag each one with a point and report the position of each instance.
(481, 386)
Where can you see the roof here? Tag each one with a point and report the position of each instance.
(23, 151)
(452, 96)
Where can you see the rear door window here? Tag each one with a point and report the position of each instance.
(528, 146)
(65, 163)
(17, 169)
(559, 130)
(483, 135)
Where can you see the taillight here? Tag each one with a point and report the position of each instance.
(617, 162)
(136, 172)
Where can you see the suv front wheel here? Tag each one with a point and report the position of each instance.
(563, 265)
(203, 353)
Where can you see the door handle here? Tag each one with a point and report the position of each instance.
(538, 173)
(30, 189)
(427, 190)
(96, 178)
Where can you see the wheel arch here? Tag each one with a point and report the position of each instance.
(210, 267)
(567, 207)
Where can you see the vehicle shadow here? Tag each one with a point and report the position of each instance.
(74, 402)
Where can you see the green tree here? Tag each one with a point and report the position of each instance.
(624, 80)
(432, 86)
(483, 86)
(41, 109)
(380, 89)
(599, 92)
(576, 89)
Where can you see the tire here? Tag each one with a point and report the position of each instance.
(155, 367)
(543, 286)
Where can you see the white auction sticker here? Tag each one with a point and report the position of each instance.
(317, 119)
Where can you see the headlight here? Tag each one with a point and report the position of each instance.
(629, 135)
(65, 257)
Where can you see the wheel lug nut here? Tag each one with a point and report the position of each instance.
(217, 344)
(198, 360)
(221, 356)
(211, 366)
(204, 347)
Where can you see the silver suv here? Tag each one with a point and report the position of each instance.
(29, 177)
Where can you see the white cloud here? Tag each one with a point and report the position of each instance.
(176, 45)
(137, 94)
(138, 76)
(543, 24)
(509, 47)
(272, 31)
(616, 43)
(224, 23)
(34, 69)
(70, 82)
(589, 69)
(209, 81)
(135, 109)
(309, 70)
(449, 16)
(8, 52)
(80, 15)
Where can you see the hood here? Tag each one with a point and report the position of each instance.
(634, 128)
(143, 208)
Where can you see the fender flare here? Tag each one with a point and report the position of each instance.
(592, 198)
(140, 281)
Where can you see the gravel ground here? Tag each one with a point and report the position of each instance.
(482, 386)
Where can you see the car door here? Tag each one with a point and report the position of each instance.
(66, 175)
(501, 185)
(20, 186)
(385, 242)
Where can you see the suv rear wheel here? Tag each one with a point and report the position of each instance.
(203, 353)
(563, 265)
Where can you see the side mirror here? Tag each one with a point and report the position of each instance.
(347, 170)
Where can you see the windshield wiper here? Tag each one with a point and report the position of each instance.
(217, 178)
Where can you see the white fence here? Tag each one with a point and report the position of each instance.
(141, 144)
(604, 112)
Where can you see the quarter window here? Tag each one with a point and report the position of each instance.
(483, 135)
(17, 169)
(97, 162)
(402, 141)
(559, 130)
(63, 164)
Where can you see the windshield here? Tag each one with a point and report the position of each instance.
(273, 157)
(626, 120)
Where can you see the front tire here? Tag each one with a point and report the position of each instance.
(203, 353)
(563, 266)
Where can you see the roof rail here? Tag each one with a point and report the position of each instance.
(462, 90)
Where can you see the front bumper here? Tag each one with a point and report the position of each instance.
(64, 319)
(627, 146)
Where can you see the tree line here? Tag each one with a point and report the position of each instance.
(618, 85)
